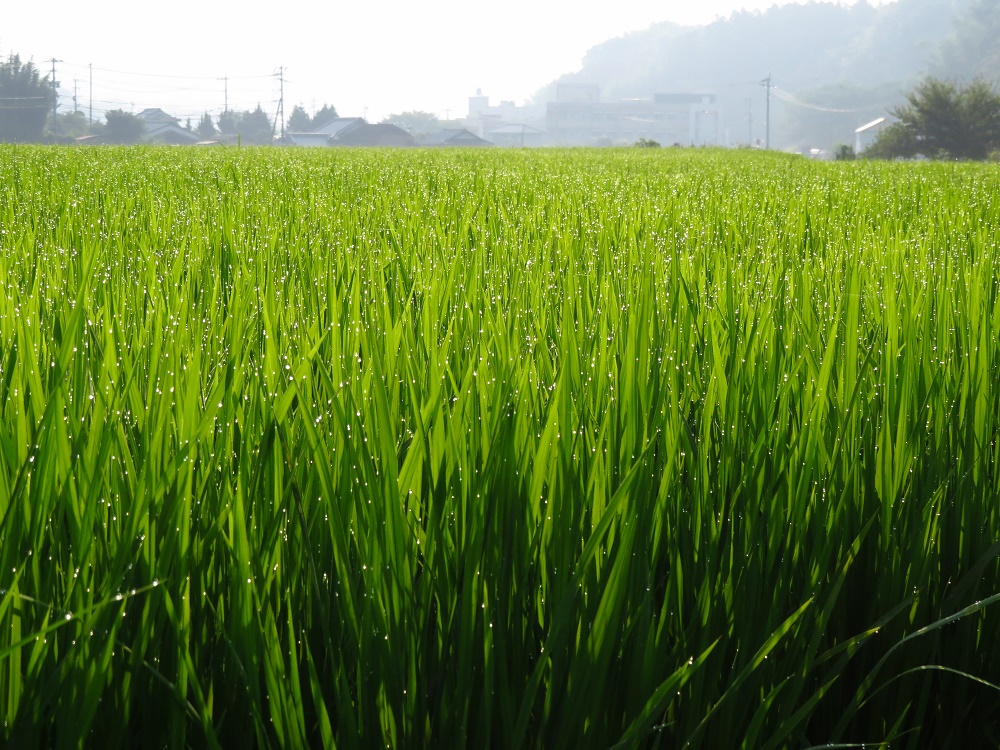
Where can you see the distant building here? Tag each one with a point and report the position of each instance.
(485, 118)
(578, 92)
(518, 136)
(455, 137)
(163, 128)
(581, 119)
(330, 129)
(352, 132)
(366, 134)
(867, 133)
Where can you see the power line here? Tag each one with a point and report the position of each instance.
(792, 99)
(170, 75)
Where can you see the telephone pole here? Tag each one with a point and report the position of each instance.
(55, 90)
(91, 66)
(281, 99)
(225, 92)
(766, 83)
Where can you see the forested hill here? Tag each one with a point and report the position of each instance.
(826, 56)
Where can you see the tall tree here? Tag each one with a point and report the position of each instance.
(69, 125)
(416, 123)
(205, 129)
(941, 119)
(124, 127)
(255, 127)
(299, 121)
(326, 113)
(229, 122)
(25, 100)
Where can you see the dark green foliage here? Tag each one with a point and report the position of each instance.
(299, 121)
(943, 120)
(895, 141)
(123, 127)
(255, 127)
(229, 122)
(844, 152)
(25, 101)
(250, 127)
(70, 125)
(205, 128)
(325, 113)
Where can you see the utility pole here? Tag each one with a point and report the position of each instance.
(281, 99)
(75, 107)
(750, 122)
(91, 66)
(766, 83)
(225, 92)
(55, 90)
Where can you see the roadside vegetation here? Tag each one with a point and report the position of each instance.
(943, 120)
(633, 448)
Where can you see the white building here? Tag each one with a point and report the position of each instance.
(683, 119)
(485, 118)
(867, 133)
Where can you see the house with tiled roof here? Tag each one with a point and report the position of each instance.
(164, 128)
(455, 137)
(381, 134)
(330, 129)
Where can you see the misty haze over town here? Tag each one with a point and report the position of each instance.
(794, 76)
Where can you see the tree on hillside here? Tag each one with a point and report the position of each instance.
(416, 123)
(124, 127)
(299, 121)
(205, 129)
(25, 101)
(326, 113)
(973, 49)
(813, 45)
(944, 120)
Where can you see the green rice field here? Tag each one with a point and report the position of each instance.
(630, 448)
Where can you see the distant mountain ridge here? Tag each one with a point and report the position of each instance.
(856, 58)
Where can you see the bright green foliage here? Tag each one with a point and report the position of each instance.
(541, 449)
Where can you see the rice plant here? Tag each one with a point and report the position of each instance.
(554, 449)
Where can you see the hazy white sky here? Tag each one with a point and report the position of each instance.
(365, 57)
